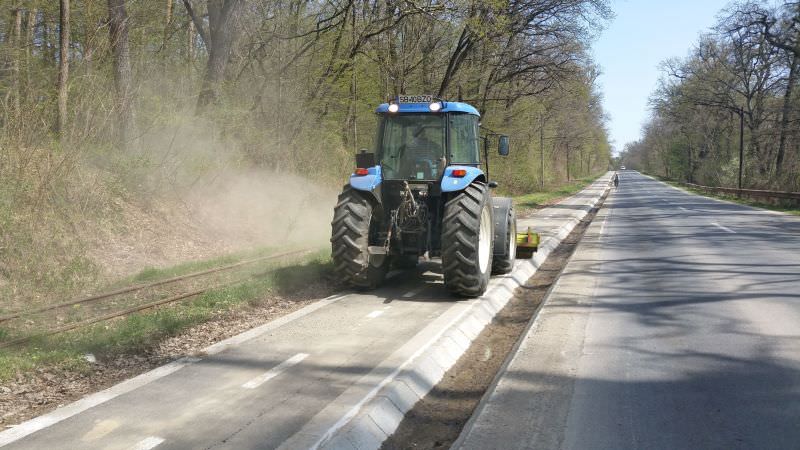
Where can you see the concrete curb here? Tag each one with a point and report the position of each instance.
(382, 414)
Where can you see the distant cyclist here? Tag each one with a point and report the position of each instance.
(615, 180)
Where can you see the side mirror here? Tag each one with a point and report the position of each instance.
(502, 146)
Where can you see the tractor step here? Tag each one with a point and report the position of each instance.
(527, 243)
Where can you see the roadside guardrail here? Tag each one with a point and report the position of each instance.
(757, 194)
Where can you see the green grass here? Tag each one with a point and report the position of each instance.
(732, 198)
(150, 274)
(141, 331)
(550, 195)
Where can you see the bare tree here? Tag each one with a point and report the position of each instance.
(782, 30)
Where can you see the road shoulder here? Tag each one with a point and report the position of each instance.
(528, 405)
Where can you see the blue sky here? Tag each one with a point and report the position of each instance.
(629, 50)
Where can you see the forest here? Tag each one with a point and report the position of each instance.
(727, 114)
(123, 120)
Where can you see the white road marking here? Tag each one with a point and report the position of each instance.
(603, 225)
(413, 292)
(147, 444)
(275, 371)
(100, 429)
(722, 227)
(374, 314)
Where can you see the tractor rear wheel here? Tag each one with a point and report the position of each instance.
(353, 217)
(504, 257)
(467, 235)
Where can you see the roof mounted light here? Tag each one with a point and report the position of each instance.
(435, 106)
(394, 107)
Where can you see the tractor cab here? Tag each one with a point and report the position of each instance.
(416, 141)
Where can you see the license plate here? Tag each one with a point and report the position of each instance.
(414, 98)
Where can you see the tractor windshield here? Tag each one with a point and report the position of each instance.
(411, 146)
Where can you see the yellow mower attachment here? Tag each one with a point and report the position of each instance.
(527, 243)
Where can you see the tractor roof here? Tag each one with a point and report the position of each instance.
(424, 108)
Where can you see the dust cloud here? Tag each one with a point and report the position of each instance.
(198, 194)
(263, 208)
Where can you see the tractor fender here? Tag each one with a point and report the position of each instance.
(370, 182)
(454, 184)
(500, 208)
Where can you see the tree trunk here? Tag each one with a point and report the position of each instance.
(16, 45)
(219, 40)
(29, 33)
(167, 22)
(63, 67)
(190, 33)
(169, 12)
(123, 79)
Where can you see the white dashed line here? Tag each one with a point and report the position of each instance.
(275, 371)
(722, 227)
(374, 314)
(413, 292)
(147, 444)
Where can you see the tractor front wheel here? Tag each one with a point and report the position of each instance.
(352, 220)
(467, 240)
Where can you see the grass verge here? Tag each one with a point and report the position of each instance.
(552, 194)
(151, 274)
(141, 331)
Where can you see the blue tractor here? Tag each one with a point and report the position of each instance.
(423, 191)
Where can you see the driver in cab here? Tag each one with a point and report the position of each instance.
(423, 155)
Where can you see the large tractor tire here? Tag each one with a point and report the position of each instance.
(467, 240)
(505, 236)
(352, 218)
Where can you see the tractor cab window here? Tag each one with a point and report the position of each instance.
(464, 145)
(411, 146)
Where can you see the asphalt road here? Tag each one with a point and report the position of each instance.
(283, 386)
(675, 325)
